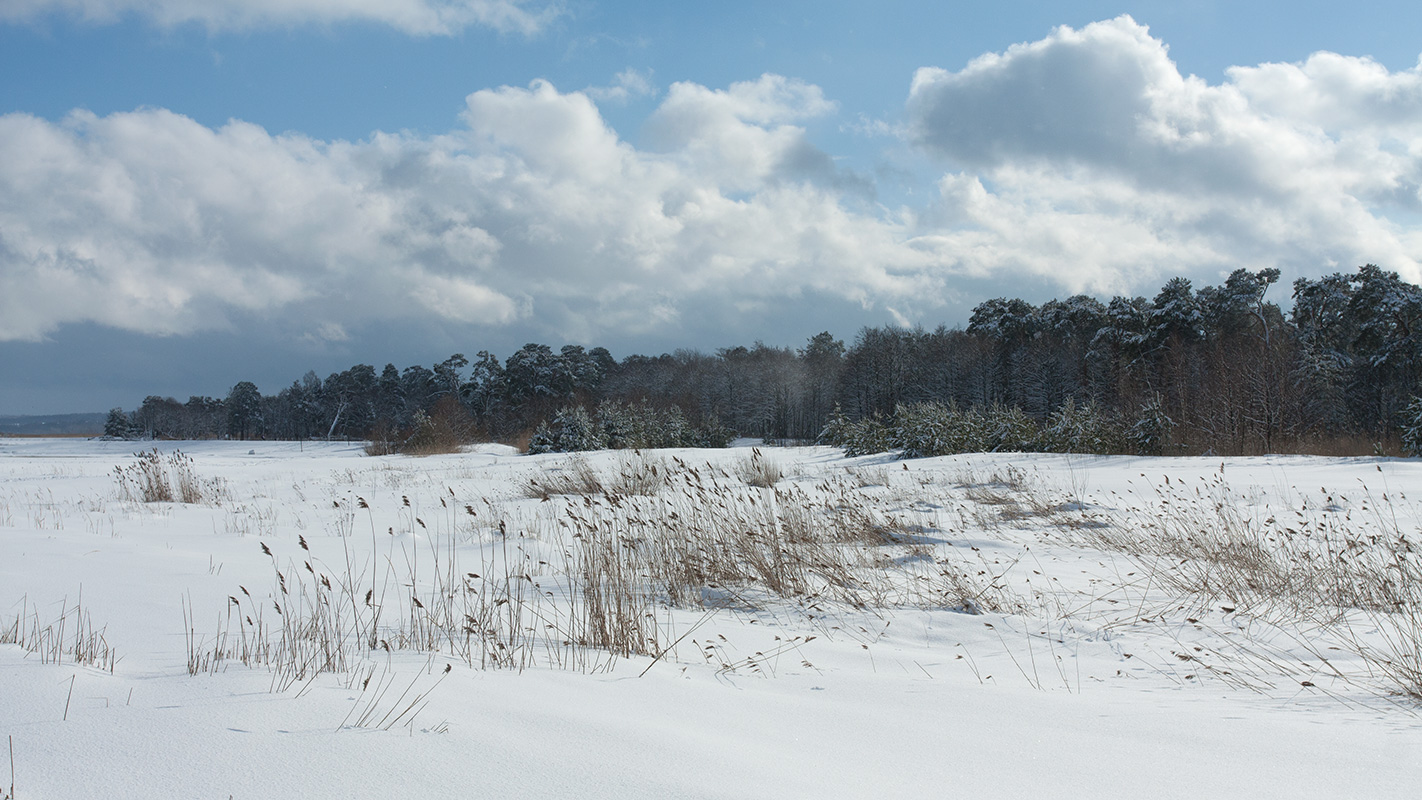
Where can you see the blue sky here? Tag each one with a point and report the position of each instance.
(196, 192)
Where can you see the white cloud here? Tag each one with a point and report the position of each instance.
(1082, 162)
(416, 17)
(741, 137)
(1087, 158)
(626, 85)
(535, 210)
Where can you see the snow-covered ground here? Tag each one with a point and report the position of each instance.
(974, 626)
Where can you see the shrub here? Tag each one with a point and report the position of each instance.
(1081, 428)
(620, 426)
(1150, 434)
(626, 426)
(866, 437)
(1010, 430)
(118, 425)
(836, 429)
(1412, 427)
(711, 433)
(573, 430)
(923, 430)
(446, 428)
(675, 430)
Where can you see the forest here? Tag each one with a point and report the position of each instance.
(1219, 370)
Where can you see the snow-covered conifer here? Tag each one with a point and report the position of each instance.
(1412, 427)
(1150, 434)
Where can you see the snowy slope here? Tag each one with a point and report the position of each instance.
(1069, 682)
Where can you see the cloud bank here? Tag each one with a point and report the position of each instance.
(415, 17)
(1081, 162)
(1087, 157)
(149, 221)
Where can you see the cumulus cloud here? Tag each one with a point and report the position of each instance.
(1088, 158)
(416, 17)
(742, 136)
(1081, 162)
(533, 210)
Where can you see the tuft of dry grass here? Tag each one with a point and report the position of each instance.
(372, 709)
(636, 474)
(158, 478)
(578, 477)
(70, 637)
(1342, 573)
(757, 470)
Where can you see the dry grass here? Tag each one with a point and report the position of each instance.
(159, 478)
(636, 474)
(600, 571)
(704, 544)
(578, 477)
(633, 545)
(1342, 576)
(757, 470)
(321, 618)
(1311, 561)
(70, 638)
(376, 711)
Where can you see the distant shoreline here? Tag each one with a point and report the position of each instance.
(60, 425)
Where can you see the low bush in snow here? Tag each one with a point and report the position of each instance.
(626, 426)
(922, 430)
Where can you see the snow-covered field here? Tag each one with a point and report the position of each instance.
(974, 626)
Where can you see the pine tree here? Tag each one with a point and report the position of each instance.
(1150, 434)
(542, 441)
(1412, 427)
(836, 428)
(118, 425)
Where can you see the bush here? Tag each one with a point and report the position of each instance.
(675, 430)
(1150, 434)
(933, 429)
(573, 430)
(621, 426)
(866, 437)
(626, 426)
(119, 425)
(1082, 428)
(923, 430)
(1010, 430)
(711, 433)
(836, 429)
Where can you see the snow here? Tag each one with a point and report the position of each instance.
(1073, 695)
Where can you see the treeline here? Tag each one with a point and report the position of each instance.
(1221, 368)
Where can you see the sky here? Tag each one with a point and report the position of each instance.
(199, 192)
